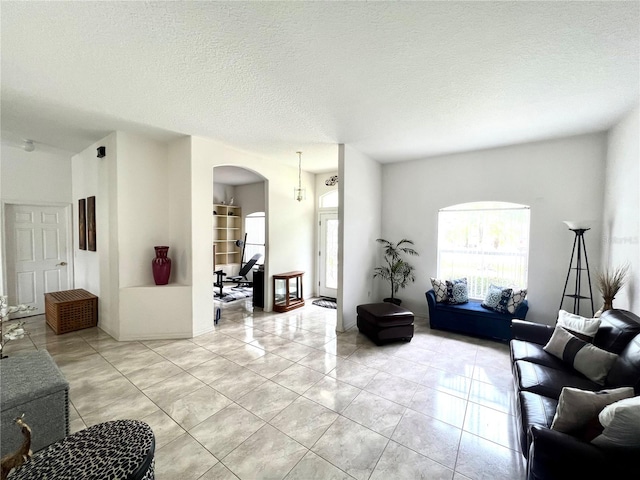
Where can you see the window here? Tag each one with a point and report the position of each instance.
(330, 199)
(254, 227)
(487, 242)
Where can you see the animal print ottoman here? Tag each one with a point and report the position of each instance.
(118, 450)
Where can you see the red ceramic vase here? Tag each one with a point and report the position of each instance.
(161, 266)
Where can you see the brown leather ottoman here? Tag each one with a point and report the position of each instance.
(385, 322)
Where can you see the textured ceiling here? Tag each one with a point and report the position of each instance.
(396, 80)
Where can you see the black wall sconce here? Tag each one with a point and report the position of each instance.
(102, 151)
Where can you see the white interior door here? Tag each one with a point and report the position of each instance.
(328, 268)
(37, 253)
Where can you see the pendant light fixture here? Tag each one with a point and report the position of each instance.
(299, 193)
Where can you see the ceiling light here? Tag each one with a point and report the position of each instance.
(299, 193)
(29, 146)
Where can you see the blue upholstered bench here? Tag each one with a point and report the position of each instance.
(473, 319)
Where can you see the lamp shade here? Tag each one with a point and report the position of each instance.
(578, 224)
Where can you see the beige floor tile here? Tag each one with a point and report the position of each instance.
(480, 458)
(169, 390)
(219, 472)
(298, 378)
(192, 409)
(313, 467)
(430, 437)
(267, 453)
(442, 406)
(400, 463)
(332, 394)
(183, 459)
(164, 428)
(133, 406)
(374, 412)
(304, 421)
(153, 374)
(353, 373)
(351, 447)
(267, 400)
(392, 388)
(269, 365)
(492, 425)
(224, 431)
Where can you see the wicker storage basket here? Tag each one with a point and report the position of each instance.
(71, 310)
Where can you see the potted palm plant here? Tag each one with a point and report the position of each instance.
(397, 271)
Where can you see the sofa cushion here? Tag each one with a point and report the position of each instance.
(621, 421)
(591, 361)
(626, 369)
(617, 328)
(582, 327)
(532, 352)
(548, 381)
(576, 408)
(534, 409)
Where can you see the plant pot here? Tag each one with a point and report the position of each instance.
(395, 301)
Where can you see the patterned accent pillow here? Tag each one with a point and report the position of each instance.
(440, 289)
(517, 297)
(497, 299)
(457, 291)
(593, 362)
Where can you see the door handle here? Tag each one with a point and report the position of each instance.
(61, 264)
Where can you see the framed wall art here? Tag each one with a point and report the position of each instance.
(91, 223)
(82, 224)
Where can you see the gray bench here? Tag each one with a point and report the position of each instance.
(31, 383)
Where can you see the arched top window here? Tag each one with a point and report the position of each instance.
(487, 242)
(330, 199)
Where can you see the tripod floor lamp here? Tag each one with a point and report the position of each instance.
(578, 253)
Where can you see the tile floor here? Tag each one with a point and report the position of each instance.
(281, 396)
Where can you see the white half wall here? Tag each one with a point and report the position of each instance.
(559, 179)
(622, 207)
(360, 225)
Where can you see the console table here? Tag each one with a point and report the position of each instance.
(287, 291)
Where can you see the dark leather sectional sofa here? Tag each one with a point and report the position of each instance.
(539, 378)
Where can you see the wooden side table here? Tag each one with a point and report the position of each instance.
(287, 291)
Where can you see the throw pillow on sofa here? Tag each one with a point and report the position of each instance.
(583, 328)
(440, 289)
(576, 408)
(593, 362)
(516, 299)
(450, 291)
(621, 421)
(457, 292)
(497, 299)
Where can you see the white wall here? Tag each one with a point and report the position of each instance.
(621, 234)
(251, 197)
(560, 180)
(41, 177)
(223, 193)
(97, 272)
(360, 225)
(290, 223)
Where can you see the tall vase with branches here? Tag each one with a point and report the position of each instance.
(610, 281)
(397, 271)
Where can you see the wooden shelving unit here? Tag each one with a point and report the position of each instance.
(227, 228)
